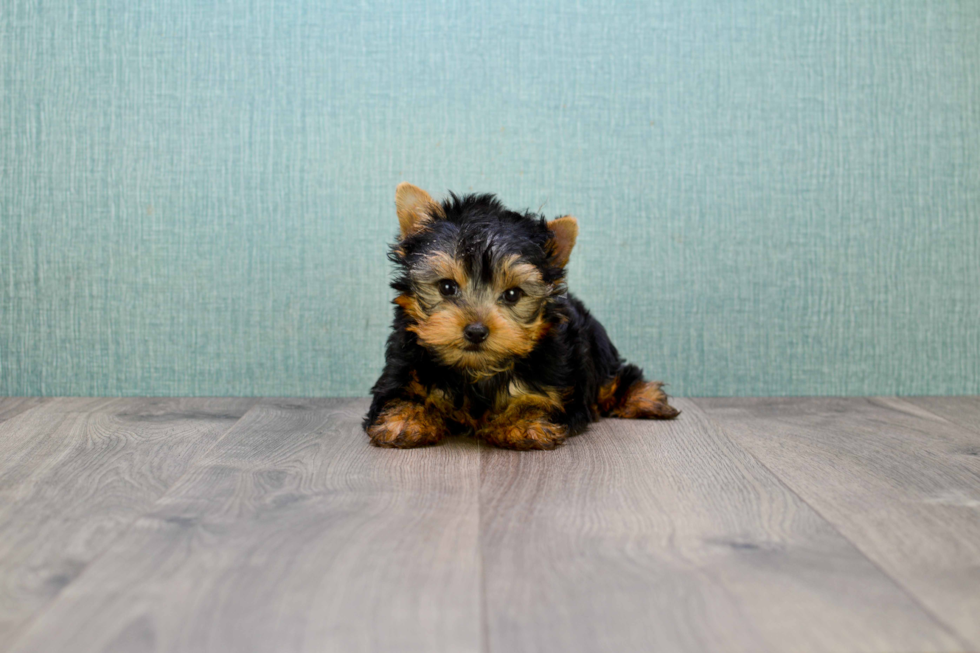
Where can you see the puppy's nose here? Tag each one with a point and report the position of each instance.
(476, 332)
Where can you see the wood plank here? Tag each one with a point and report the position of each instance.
(31, 435)
(71, 482)
(292, 534)
(13, 406)
(900, 482)
(666, 536)
(964, 411)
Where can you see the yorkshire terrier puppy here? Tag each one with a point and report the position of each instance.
(486, 339)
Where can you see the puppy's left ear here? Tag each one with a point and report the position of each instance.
(564, 231)
(415, 208)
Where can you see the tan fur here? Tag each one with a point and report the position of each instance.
(512, 273)
(524, 433)
(439, 323)
(644, 400)
(522, 420)
(406, 424)
(607, 395)
(411, 306)
(565, 232)
(523, 430)
(519, 396)
(430, 272)
(508, 337)
(519, 419)
(438, 266)
(442, 331)
(415, 208)
(522, 414)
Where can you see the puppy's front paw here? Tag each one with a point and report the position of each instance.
(403, 425)
(524, 434)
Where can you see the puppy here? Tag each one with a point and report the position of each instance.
(487, 340)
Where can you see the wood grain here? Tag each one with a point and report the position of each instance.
(666, 536)
(900, 482)
(148, 525)
(964, 411)
(292, 534)
(13, 406)
(75, 473)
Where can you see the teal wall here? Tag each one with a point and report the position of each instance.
(775, 197)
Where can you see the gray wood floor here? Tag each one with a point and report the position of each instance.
(270, 525)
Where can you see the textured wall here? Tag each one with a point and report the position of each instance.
(775, 197)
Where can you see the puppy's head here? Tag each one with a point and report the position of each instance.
(476, 279)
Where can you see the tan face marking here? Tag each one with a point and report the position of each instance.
(514, 329)
(514, 273)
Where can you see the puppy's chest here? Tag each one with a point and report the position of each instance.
(471, 404)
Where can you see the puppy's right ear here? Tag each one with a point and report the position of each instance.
(564, 231)
(415, 208)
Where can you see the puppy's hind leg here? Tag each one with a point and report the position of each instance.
(628, 396)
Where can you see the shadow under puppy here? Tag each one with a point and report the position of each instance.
(487, 340)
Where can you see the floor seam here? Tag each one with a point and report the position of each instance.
(973, 430)
(484, 612)
(950, 630)
(25, 629)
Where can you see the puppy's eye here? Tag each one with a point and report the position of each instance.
(448, 288)
(512, 295)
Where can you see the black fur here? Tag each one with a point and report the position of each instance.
(575, 353)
